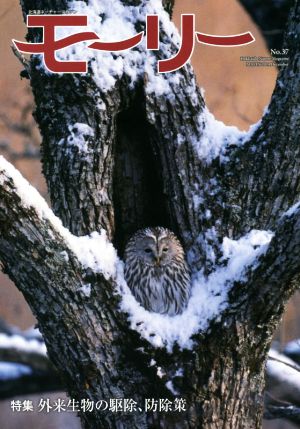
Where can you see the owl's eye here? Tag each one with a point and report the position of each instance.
(148, 250)
(165, 249)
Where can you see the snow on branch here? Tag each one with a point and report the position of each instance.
(245, 265)
(283, 369)
(17, 348)
(240, 260)
(217, 137)
(120, 22)
(24, 364)
(18, 379)
(288, 412)
(209, 295)
(12, 371)
(292, 350)
(283, 388)
(21, 343)
(210, 138)
(93, 251)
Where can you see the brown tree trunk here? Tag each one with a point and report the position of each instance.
(137, 174)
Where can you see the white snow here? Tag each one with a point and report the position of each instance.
(160, 372)
(10, 371)
(86, 289)
(292, 210)
(65, 255)
(209, 295)
(293, 347)
(216, 137)
(197, 201)
(93, 251)
(78, 137)
(241, 252)
(284, 370)
(170, 386)
(19, 343)
(96, 252)
(111, 21)
(152, 362)
(32, 333)
(179, 372)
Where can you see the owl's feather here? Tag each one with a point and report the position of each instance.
(156, 271)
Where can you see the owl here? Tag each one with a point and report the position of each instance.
(156, 271)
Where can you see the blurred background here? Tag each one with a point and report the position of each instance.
(235, 94)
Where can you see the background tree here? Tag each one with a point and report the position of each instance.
(271, 17)
(129, 149)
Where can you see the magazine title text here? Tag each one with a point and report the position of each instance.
(49, 46)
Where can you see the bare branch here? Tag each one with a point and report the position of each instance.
(25, 63)
(271, 17)
(30, 382)
(289, 412)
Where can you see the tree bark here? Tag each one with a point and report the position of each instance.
(137, 173)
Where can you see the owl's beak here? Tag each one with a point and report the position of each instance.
(157, 260)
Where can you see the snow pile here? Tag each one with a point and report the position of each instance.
(216, 137)
(12, 371)
(20, 343)
(209, 295)
(171, 388)
(94, 251)
(114, 22)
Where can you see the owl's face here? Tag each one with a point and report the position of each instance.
(156, 272)
(156, 250)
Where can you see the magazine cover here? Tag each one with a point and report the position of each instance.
(149, 214)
